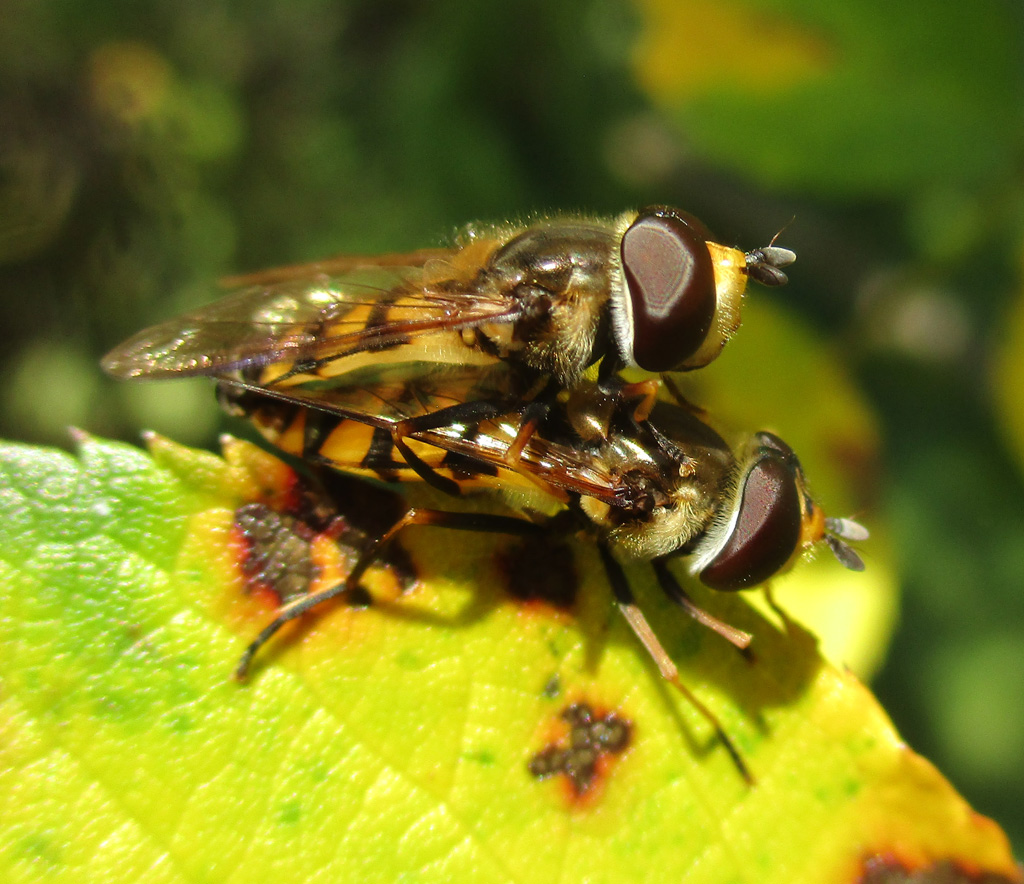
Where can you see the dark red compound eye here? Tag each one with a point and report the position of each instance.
(670, 281)
(768, 526)
(770, 440)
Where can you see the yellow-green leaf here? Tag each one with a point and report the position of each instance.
(394, 742)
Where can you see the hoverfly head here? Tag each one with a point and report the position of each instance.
(770, 521)
(678, 298)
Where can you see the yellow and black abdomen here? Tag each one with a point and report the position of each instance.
(360, 447)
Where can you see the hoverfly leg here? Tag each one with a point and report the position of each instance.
(647, 394)
(670, 586)
(468, 413)
(611, 384)
(634, 616)
(289, 612)
(422, 469)
(537, 404)
(773, 604)
(488, 522)
(463, 413)
(532, 416)
(677, 395)
(642, 630)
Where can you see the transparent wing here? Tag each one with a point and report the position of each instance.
(303, 319)
(473, 415)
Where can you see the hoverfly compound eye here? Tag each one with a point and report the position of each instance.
(770, 440)
(766, 528)
(670, 287)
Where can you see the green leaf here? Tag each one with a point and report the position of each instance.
(394, 742)
(861, 98)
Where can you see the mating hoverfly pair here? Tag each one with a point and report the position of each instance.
(494, 365)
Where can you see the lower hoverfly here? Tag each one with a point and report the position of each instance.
(648, 289)
(655, 489)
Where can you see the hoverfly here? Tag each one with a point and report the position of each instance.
(665, 487)
(430, 364)
(648, 289)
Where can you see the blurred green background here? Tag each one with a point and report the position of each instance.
(146, 149)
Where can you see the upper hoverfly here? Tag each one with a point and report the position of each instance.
(654, 489)
(648, 289)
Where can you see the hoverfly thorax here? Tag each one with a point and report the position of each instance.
(771, 521)
(559, 272)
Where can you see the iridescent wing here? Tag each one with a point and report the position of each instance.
(462, 423)
(326, 319)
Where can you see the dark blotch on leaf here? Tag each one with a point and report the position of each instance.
(277, 541)
(591, 738)
(277, 552)
(888, 869)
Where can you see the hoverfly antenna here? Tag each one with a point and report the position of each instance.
(847, 529)
(781, 231)
(763, 264)
(837, 533)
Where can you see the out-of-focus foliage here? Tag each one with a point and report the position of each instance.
(1008, 375)
(148, 148)
(886, 100)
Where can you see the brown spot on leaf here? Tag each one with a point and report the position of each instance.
(276, 552)
(883, 868)
(282, 538)
(582, 756)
